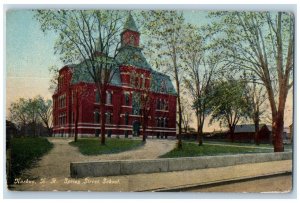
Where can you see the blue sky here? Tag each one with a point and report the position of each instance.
(29, 54)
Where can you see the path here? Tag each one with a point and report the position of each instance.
(57, 162)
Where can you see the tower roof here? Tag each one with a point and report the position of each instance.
(130, 24)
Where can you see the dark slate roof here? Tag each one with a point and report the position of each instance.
(81, 74)
(161, 83)
(130, 24)
(132, 56)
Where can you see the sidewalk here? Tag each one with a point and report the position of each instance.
(154, 181)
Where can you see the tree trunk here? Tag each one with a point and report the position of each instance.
(256, 124)
(231, 133)
(144, 132)
(76, 118)
(200, 136)
(179, 144)
(277, 131)
(102, 107)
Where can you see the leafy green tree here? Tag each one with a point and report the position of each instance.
(29, 113)
(200, 61)
(166, 30)
(229, 104)
(90, 38)
(19, 114)
(44, 109)
(256, 97)
(261, 43)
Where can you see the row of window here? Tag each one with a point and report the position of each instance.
(108, 97)
(162, 122)
(162, 104)
(108, 117)
(62, 119)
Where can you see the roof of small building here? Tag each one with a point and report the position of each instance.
(250, 128)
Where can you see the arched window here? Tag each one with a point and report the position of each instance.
(108, 118)
(126, 96)
(158, 104)
(97, 97)
(108, 98)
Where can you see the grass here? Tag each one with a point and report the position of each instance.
(25, 151)
(192, 150)
(92, 146)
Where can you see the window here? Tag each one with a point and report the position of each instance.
(62, 101)
(166, 106)
(131, 40)
(108, 118)
(97, 97)
(158, 103)
(126, 96)
(108, 98)
(96, 117)
(126, 118)
(143, 81)
(62, 119)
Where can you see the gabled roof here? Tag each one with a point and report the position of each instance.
(130, 24)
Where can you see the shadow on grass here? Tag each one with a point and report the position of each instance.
(24, 153)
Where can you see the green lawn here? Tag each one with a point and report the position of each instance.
(26, 151)
(192, 150)
(92, 146)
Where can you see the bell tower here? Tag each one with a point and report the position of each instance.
(130, 35)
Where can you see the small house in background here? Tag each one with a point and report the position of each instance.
(246, 133)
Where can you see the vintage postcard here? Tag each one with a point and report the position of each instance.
(149, 100)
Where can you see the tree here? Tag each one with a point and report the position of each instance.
(200, 61)
(30, 113)
(186, 114)
(256, 97)
(229, 104)
(90, 38)
(261, 43)
(143, 97)
(19, 114)
(54, 72)
(45, 112)
(166, 29)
